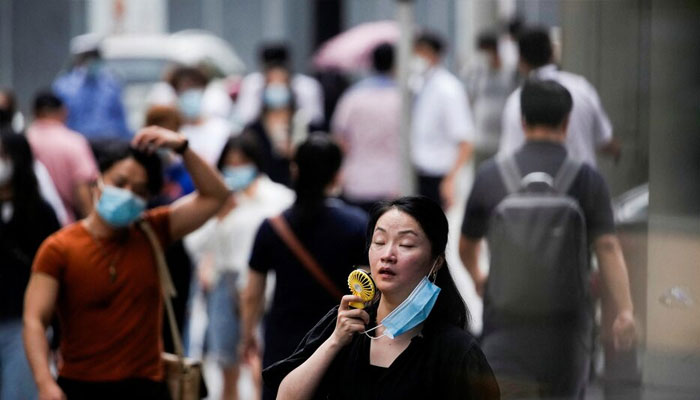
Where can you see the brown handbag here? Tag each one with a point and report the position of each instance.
(182, 375)
(280, 226)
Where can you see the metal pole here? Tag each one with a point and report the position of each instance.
(405, 19)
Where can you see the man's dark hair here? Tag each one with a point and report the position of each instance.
(274, 55)
(515, 26)
(545, 102)
(432, 40)
(383, 58)
(487, 40)
(192, 74)
(46, 101)
(111, 152)
(535, 47)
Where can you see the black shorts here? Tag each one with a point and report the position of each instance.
(131, 389)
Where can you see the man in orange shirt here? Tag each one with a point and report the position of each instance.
(99, 276)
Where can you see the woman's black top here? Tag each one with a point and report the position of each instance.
(443, 362)
(20, 237)
(335, 237)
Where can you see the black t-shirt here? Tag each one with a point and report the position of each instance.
(336, 239)
(273, 165)
(588, 188)
(20, 238)
(443, 362)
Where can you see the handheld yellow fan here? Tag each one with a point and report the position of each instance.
(361, 285)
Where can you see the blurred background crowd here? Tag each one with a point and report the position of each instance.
(248, 81)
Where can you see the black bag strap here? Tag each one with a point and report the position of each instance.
(510, 173)
(281, 227)
(566, 175)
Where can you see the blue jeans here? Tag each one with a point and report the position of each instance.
(16, 380)
(223, 332)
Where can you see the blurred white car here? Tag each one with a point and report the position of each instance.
(141, 61)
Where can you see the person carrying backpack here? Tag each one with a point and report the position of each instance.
(541, 214)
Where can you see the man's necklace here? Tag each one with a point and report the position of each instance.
(112, 269)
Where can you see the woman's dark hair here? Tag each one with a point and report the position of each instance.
(449, 307)
(247, 143)
(109, 153)
(318, 161)
(7, 113)
(274, 54)
(26, 198)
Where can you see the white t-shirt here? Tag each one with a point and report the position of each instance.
(441, 120)
(230, 240)
(307, 92)
(589, 127)
(50, 193)
(208, 138)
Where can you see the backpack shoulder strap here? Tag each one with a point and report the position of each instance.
(566, 175)
(510, 173)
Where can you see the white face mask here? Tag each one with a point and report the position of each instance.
(6, 170)
(419, 65)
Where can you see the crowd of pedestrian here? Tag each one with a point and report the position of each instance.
(263, 214)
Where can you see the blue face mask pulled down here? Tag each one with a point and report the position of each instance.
(412, 311)
(239, 178)
(119, 207)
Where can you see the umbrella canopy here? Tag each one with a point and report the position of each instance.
(351, 50)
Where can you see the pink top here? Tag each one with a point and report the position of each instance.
(366, 121)
(67, 156)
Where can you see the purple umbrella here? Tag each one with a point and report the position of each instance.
(351, 50)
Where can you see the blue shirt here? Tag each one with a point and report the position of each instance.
(94, 103)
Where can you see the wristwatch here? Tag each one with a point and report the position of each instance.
(181, 149)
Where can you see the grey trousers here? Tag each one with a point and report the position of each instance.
(540, 362)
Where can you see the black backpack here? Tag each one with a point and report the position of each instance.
(537, 242)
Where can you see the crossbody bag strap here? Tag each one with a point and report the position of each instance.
(167, 288)
(280, 226)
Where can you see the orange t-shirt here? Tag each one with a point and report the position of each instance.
(110, 328)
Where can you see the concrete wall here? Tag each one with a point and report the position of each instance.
(614, 56)
(642, 56)
(34, 37)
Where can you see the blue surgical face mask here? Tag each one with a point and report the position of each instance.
(119, 207)
(190, 103)
(239, 178)
(412, 311)
(94, 67)
(277, 96)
